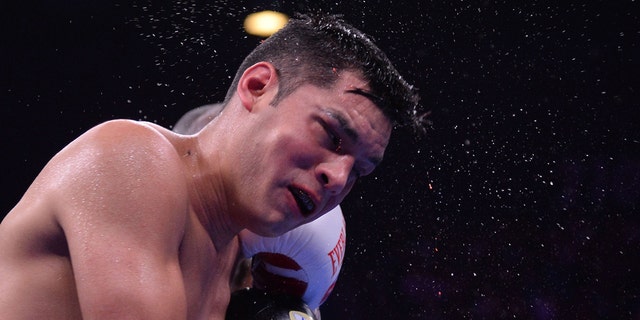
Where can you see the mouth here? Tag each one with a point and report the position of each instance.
(304, 201)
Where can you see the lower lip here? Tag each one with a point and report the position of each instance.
(294, 205)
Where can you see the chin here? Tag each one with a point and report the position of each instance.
(271, 228)
(278, 230)
(269, 233)
(278, 224)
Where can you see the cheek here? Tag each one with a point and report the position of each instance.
(298, 149)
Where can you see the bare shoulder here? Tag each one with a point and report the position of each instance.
(114, 201)
(124, 150)
(129, 133)
(122, 167)
(117, 138)
(121, 182)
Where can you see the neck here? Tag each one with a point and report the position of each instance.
(208, 197)
(212, 160)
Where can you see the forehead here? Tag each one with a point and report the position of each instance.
(354, 96)
(363, 122)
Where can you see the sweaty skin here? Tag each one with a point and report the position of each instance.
(133, 221)
(100, 232)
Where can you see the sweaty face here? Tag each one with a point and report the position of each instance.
(307, 152)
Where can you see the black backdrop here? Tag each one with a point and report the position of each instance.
(521, 202)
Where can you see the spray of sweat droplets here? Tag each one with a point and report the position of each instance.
(196, 45)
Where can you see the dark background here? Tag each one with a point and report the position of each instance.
(520, 203)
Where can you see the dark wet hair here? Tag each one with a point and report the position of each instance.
(313, 49)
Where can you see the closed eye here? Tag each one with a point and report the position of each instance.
(335, 125)
(337, 143)
(334, 140)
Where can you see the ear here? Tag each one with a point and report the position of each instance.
(256, 82)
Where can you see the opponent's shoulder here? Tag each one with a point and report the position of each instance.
(195, 119)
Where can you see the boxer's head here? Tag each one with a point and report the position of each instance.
(316, 49)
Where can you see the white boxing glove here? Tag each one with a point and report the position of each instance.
(304, 262)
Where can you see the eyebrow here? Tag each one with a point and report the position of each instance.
(349, 131)
(375, 99)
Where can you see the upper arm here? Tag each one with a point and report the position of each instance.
(121, 204)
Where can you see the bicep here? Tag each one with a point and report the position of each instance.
(122, 285)
(123, 261)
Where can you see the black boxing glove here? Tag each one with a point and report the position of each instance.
(254, 304)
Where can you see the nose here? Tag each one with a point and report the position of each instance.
(335, 174)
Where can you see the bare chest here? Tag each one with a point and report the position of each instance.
(207, 273)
